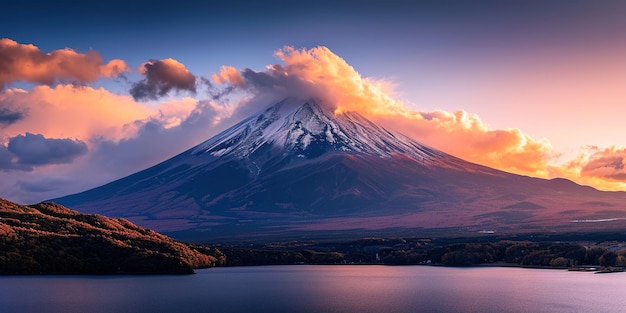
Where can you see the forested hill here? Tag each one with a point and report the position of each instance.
(49, 238)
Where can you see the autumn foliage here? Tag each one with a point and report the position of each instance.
(49, 238)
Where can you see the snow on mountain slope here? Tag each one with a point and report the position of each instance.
(308, 130)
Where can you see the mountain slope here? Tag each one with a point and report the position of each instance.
(297, 169)
(49, 238)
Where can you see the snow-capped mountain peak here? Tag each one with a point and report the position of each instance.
(306, 129)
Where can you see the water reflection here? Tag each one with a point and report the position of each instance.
(321, 289)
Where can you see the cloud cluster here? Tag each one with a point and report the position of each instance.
(230, 75)
(92, 117)
(603, 168)
(7, 161)
(320, 74)
(160, 77)
(36, 150)
(82, 137)
(606, 163)
(61, 132)
(70, 111)
(25, 62)
(467, 136)
(8, 116)
(61, 129)
(85, 112)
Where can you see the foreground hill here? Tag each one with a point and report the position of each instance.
(49, 238)
(297, 170)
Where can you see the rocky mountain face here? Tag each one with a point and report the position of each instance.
(296, 169)
(49, 238)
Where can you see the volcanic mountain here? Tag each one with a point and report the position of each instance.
(296, 169)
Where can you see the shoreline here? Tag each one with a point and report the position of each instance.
(596, 269)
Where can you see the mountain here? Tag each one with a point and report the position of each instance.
(298, 170)
(49, 238)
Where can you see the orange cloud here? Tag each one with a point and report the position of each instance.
(25, 62)
(67, 111)
(79, 120)
(114, 68)
(86, 113)
(606, 163)
(230, 75)
(468, 137)
(603, 168)
(320, 74)
(173, 113)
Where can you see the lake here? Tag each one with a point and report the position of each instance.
(310, 288)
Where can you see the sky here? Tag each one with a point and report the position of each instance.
(94, 91)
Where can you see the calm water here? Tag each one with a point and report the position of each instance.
(322, 289)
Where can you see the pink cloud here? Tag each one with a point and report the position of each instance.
(608, 163)
(64, 139)
(114, 68)
(604, 168)
(229, 75)
(69, 111)
(26, 62)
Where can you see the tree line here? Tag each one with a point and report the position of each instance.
(525, 253)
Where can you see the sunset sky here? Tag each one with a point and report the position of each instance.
(94, 91)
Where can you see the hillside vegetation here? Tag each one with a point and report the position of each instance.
(49, 238)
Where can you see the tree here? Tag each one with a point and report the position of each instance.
(608, 258)
(560, 262)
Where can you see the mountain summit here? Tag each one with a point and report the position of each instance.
(298, 169)
(307, 130)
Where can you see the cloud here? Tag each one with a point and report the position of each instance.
(157, 139)
(8, 117)
(36, 150)
(7, 160)
(230, 75)
(467, 136)
(114, 68)
(122, 136)
(606, 163)
(93, 115)
(603, 168)
(160, 77)
(320, 74)
(44, 184)
(25, 62)
(113, 135)
(72, 111)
